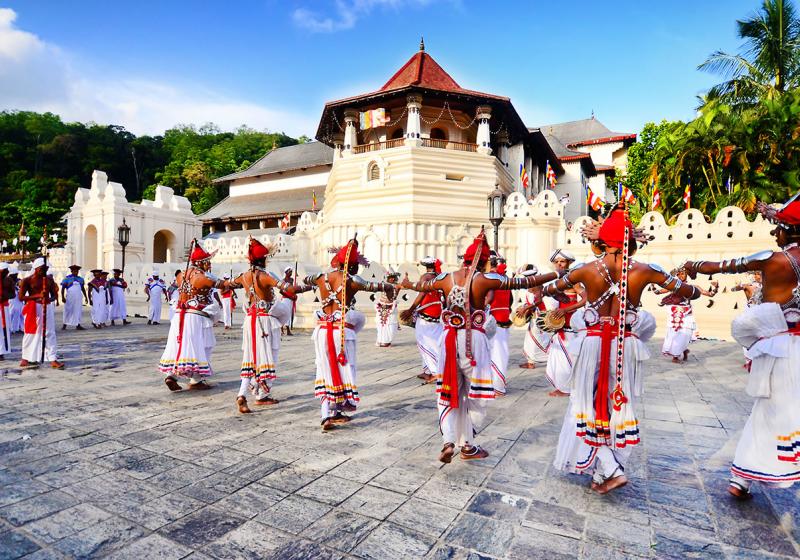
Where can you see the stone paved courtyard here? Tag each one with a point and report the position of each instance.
(100, 460)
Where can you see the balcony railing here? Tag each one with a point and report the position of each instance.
(426, 142)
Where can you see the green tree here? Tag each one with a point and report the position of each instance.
(770, 60)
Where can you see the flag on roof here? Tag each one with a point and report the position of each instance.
(313, 201)
(373, 118)
(728, 185)
(656, 201)
(551, 176)
(625, 194)
(523, 176)
(593, 201)
(687, 195)
(284, 222)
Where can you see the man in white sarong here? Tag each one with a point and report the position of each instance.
(464, 381)
(336, 382)
(7, 292)
(600, 426)
(499, 304)
(261, 330)
(425, 313)
(769, 448)
(98, 298)
(14, 304)
(228, 300)
(73, 294)
(191, 333)
(39, 293)
(156, 290)
(386, 323)
(172, 295)
(537, 341)
(119, 308)
(682, 325)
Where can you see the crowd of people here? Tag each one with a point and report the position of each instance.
(586, 328)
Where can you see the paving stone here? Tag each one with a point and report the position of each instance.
(532, 543)
(360, 471)
(632, 539)
(304, 550)
(214, 487)
(482, 534)
(254, 468)
(446, 493)
(330, 489)
(152, 547)
(555, 519)
(15, 545)
(21, 489)
(684, 545)
(498, 505)
(293, 514)
(290, 479)
(251, 500)
(424, 517)
(37, 507)
(374, 502)
(399, 480)
(390, 541)
(340, 530)
(250, 541)
(99, 539)
(67, 522)
(202, 527)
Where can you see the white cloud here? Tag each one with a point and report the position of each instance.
(38, 76)
(347, 14)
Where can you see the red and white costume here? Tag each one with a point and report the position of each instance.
(428, 324)
(559, 358)
(5, 318)
(228, 299)
(682, 326)
(501, 311)
(537, 341)
(386, 323)
(36, 332)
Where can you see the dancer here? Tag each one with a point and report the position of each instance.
(14, 304)
(769, 448)
(228, 300)
(537, 341)
(172, 295)
(600, 426)
(499, 304)
(261, 330)
(682, 325)
(191, 333)
(464, 377)
(98, 299)
(425, 314)
(119, 309)
(751, 289)
(559, 360)
(336, 380)
(39, 293)
(386, 324)
(288, 278)
(155, 289)
(6, 293)
(73, 295)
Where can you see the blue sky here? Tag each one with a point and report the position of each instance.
(272, 64)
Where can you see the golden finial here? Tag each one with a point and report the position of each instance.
(422, 44)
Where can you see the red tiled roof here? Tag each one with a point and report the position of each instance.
(423, 71)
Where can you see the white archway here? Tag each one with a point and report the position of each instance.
(90, 260)
(164, 246)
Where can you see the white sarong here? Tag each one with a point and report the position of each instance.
(156, 298)
(499, 353)
(537, 341)
(261, 341)
(385, 321)
(191, 355)
(336, 385)
(559, 361)
(769, 447)
(73, 307)
(32, 342)
(227, 310)
(100, 306)
(15, 311)
(5, 333)
(680, 331)
(574, 453)
(427, 334)
(118, 310)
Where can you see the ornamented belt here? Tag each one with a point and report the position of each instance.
(429, 318)
(453, 320)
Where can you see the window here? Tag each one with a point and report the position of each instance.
(397, 133)
(438, 134)
(373, 171)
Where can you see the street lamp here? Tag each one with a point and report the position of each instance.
(22, 237)
(497, 203)
(124, 237)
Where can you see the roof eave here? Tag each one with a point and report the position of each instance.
(628, 138)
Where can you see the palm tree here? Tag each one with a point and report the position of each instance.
(770, 59)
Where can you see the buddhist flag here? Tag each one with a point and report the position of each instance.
(284, 222)
(593, 201)
(313, 201)
(373, 118)
(523, 176)
(656, 196)
(624, 193)
(687, 195)
(551, 176)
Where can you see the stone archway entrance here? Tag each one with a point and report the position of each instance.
(164, 246)
(90, 248)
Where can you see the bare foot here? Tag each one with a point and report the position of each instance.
(557, 393)
(327, 425)
(527, 365)
(241, 402)
(446, 455)
(266, 401)
(738, 492)
(469, 453)
(676, 360)
(612, 484)
(172, 383)
(55, 364)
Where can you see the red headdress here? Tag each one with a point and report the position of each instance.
(257, 251)
(341, 255)
(479, 248)
(199, 254)
(437, 266)
(612, 230)
(502, 268)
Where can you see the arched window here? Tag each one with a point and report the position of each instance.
(373, 171)
(397, 133)
(438, 134)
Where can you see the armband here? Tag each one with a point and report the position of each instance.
(494, 276)
(656, 267)
(550, 289)
(283, 285)
(441, 276)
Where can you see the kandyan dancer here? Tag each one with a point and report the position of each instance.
(600, 426)
(769, 448)
(425, 313)
(334, 337)
(464, 378)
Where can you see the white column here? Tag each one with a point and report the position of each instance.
(413, 127)
(338, 142)
(350, 135)
(484, 138)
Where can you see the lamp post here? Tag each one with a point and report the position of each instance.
(124, 237)
(497, 203)
(22, 237)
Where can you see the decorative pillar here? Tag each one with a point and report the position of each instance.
(502, 150)
(338, 143)
(484, 138)
(350, 135)
(413, 128)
